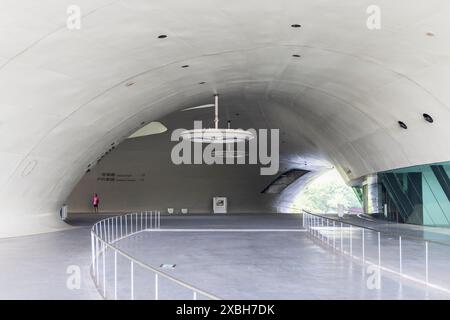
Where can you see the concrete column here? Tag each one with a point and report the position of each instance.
(372, 194)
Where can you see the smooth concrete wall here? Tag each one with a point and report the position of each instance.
(159, 184)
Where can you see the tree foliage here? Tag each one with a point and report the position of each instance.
(325, 193)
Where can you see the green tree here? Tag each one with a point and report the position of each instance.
(325, 193)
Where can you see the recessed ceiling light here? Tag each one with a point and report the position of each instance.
(296, 55)
(295, 25)
(185, 66)
(402, 125)
(428, 118)
(129, 84)
(162, 36)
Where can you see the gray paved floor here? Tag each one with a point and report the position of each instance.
(258, 265)
(244, 265)
(35, 267)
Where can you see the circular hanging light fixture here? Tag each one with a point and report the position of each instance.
(229, 151)
(216, 134)
(228, 154)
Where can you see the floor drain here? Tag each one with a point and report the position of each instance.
(167, 266)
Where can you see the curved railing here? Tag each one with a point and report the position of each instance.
(416, 259)
(105, 256)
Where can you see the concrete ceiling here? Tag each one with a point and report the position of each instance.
(67, 95)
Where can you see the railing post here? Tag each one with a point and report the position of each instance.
(310, 223)
(334, 235)
(321, 229)
(145, 220)
(351, 241)
(141, 220)
(132, 279)
(112, 229)
(96, 260)
(316, 226)
(159, 219)
(121, 231)
(96, 252)
(303, 220)
(328, 232)
(426, 261)
(363, 248)
(151, 219)
(195, 296)
(104, 270)
(379, 250)
(400, 255)
(111, 220)
(136, 222)
(115, 275)
(93, 253)
(342, 239)
(156, 287)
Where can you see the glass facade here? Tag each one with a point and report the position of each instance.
(417, 195)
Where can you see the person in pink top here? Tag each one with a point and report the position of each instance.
(95, 202)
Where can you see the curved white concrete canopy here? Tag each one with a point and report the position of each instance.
(67, 95)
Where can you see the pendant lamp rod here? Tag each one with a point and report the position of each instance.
(216, 118)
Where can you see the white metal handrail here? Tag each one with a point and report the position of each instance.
(331, 232)
(105, 233)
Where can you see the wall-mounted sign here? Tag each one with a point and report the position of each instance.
(128, 177)
(220, 204)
